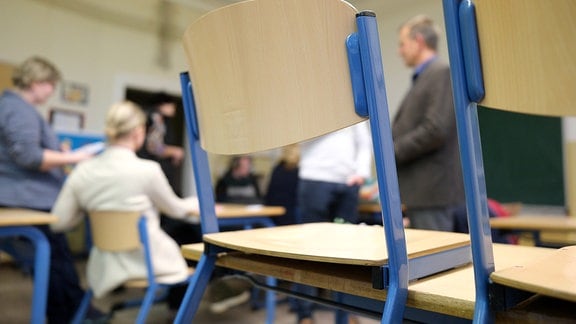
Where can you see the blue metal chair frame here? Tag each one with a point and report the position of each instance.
(41, 266)
(370, 100)
(367, 42)
(153, 286)
(468, 88)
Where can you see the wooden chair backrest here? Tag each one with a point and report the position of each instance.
(262, 81)
(527, 51)
(115, 231)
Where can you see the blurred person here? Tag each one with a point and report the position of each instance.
(333, 167)
(239, 185)
(159, 144)
(117, 179)
(283, 185)
(31, 175)
(424, 133)
(332, 170)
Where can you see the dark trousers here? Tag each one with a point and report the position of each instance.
(323, 202)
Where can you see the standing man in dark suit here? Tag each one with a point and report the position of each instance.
(424, 132)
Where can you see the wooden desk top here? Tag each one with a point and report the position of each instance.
(369, 207)
(237, 210)
(331, 242)
(553, 275)
(535, 223)
(557, 238)
(450, 292)
(373, 207)
(24, 217)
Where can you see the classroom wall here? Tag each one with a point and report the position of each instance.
(102, 55)
(106, 50)
(106, 56)
(110, 45)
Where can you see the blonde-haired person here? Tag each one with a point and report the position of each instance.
(31, 174)
(117, 179)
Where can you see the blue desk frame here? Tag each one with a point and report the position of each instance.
(41, 266)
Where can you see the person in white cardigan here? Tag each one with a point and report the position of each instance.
(119, 180)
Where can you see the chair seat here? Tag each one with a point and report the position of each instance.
(334, 243)
(136, 283)
(552, 276)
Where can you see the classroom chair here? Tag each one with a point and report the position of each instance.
(264, 74)
(516, 56)
(121, 231)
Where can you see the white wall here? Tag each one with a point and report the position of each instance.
(101, 55)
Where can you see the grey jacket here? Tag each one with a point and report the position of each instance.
(24, 134)
(426, 143)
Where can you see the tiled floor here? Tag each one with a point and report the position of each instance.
(15, 298)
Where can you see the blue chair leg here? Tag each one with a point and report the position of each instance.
(270, 301)
(196, 289)
(147, 302)
(42, 261)
(41, 267)
(83, 308)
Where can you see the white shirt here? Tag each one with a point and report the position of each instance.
(337, 156)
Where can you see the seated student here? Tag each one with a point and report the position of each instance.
(239, 185)
(119, 180)
(283, 185)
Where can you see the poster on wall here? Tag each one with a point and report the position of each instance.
(68, 120)
(74, 93)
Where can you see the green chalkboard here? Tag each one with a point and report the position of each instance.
(522, 157)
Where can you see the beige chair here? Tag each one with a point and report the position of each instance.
(516, 56)
(264, 74)
(123, 231)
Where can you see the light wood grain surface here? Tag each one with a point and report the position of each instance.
(450, 292)
(535, 223)
(372, 207)
(528, 60)
(553, 275)
(331, 242)
(256, 68)
(237, 211)
(558, 238)
(22, 217)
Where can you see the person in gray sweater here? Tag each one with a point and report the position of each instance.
(31, 175)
